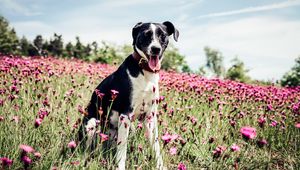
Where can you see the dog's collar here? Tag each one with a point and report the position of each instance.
(142, 62)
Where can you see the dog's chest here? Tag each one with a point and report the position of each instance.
(144, 92)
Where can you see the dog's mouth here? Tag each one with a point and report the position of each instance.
(154, 63)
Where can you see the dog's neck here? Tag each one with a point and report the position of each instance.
(142, 62)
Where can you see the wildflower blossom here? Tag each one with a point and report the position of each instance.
(26, 148)
(181, 166)
(6, 161)
(72, 145)
(235, 147)
(103, 137)
(173, 150)
(248, 132)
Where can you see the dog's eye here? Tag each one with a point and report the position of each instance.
(147, 34)
(163, 38)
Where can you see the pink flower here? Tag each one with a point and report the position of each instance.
(232, 123)
(99, 94)
(72, 144)
(219, 150)
(297, 125)
(273, 123)
(194, 120)
(262, 142)
(140, 147)
(114, 94)
(75, 163)
(168, 138)
(1, 118)
(26, 148)
(1, 102)
(140, 125)
(181, 166)
(38, 122)
(37, 154)
(103, 137)
(6, 161)
(261, 121)
(173, 150)
(269, 107)
(16, 119)
(235, 147)
(248, 132)
(81, 110)
(26, 160)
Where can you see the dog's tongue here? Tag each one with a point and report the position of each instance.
(153, 63)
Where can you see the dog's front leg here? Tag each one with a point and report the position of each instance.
(152, 130)
(123, 131)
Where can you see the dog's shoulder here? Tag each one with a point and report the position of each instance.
(130, 65)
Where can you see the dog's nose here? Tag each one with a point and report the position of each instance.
(155, 50)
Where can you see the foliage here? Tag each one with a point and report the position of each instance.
(8, 38)
(292, 78)
(55, 46)
(203, 116)
(173, 60)
(38, 43)
(237, 71)
(79, 50)
(109, 54)
(24, 46)
(214, 61)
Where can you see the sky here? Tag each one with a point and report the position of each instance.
(264, 34)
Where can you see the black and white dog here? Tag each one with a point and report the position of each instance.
(136, 82)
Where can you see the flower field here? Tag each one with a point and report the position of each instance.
(203, 123)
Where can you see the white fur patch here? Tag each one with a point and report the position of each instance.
(90, 129)
(144, 91)
(155, 41)
(114, 118)
(123, 131)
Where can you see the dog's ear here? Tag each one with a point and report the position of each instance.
(171, 30)
(135, 31)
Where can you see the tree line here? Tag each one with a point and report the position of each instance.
(113, 54)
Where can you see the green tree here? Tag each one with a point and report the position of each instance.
(237, 71)
(94, 48)
(24, 46)
(292, 78)
(8, 38)
(87, 50)
(109, 54)
(173, 60)
(38, 44)
(69, 50)
(126, 50)
(78, 50)
(214, 61)
(56, 45)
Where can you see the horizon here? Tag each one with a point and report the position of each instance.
(263, 34)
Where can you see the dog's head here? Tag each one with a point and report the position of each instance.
(151, 39)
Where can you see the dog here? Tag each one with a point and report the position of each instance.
(131, 91)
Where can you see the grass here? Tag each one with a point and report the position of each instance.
(204, 113)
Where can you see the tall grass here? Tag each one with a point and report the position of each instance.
(202, 114)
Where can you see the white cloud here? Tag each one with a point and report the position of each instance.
(14, 6)
(267, 45)
(88, 29)
(285, 4)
